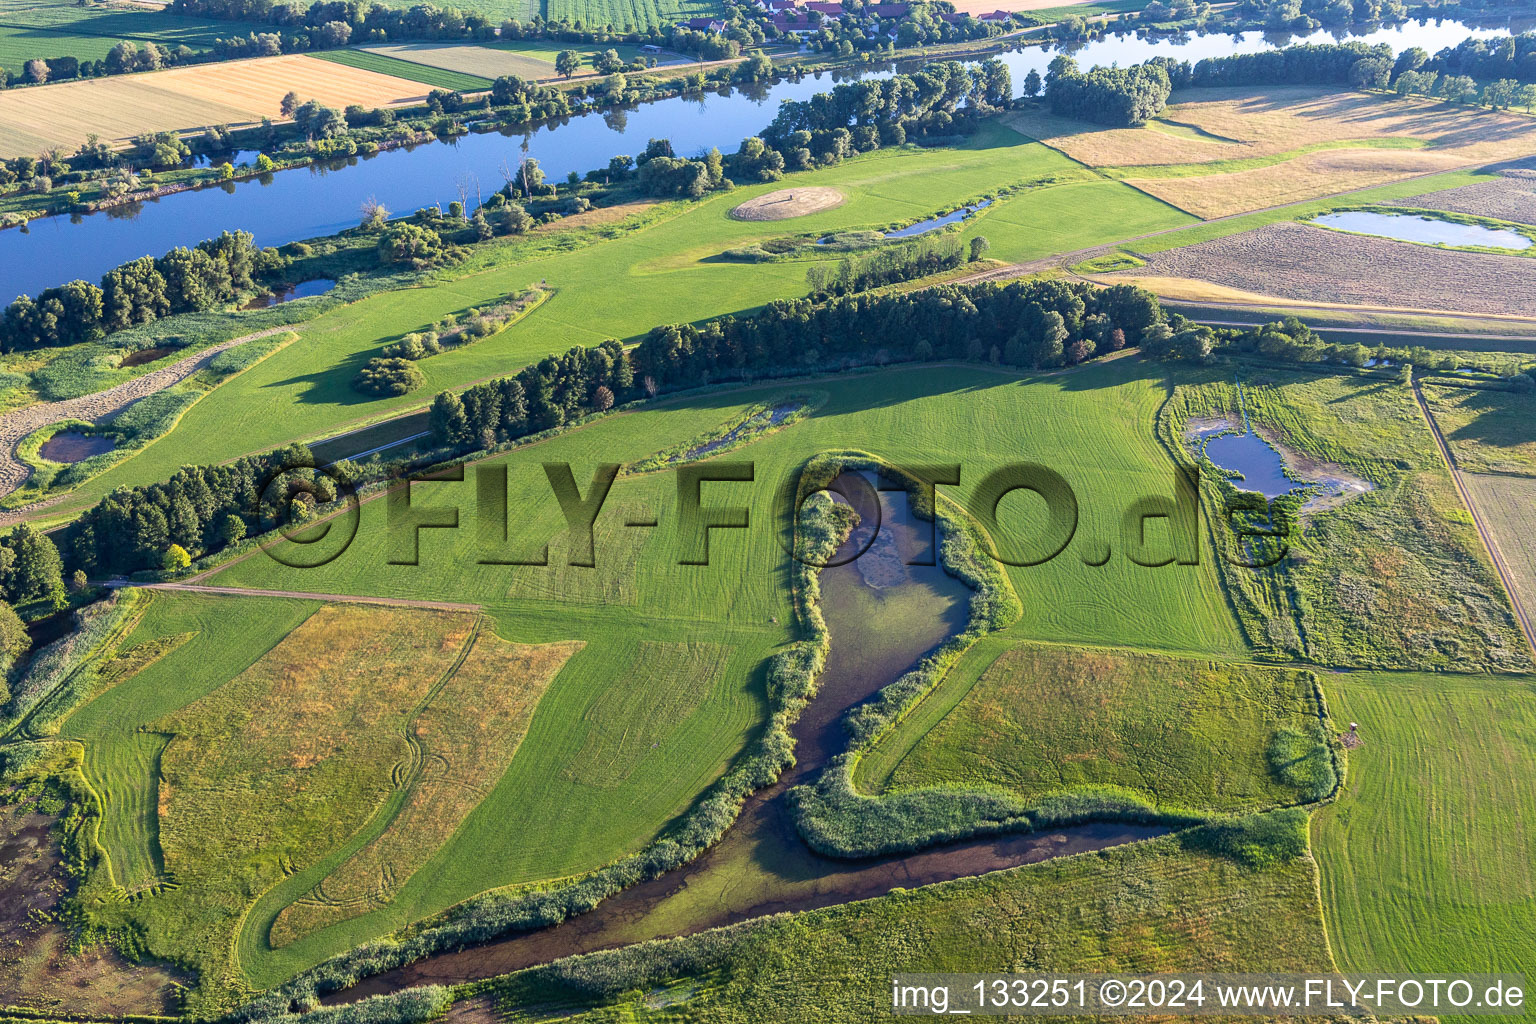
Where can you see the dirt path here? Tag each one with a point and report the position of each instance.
(1522, 615)
(302, 595)
(16, 426)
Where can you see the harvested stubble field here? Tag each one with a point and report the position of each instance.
(1222, 151)
(234, 93)
(1296, 261)
(1506, 197)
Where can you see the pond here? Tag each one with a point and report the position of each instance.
(72, 446)
(322, 199)
(922, 227)
(287, 293)
(1406, 227)
(1261, 466)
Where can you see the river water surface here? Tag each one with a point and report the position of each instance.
(322, 199)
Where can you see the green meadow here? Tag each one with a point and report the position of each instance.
(1426, 861)
(664, 268)
(1041, 719)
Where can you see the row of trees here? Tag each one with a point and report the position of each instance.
(184, 280)
(199, 509)
(1022, 323)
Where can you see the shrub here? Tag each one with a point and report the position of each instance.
(389, 377)
(1255, 840)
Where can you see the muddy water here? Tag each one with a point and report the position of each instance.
(73, 446)
(883, 615)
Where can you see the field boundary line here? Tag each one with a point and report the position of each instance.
(301, 595)
(1522, 617)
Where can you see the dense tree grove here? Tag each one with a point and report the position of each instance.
(1487, 59)
(889, 265)
(181, 281)
(200, 509)
(942, 99)
(1124, 97)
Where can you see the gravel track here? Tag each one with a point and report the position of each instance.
(103, 405)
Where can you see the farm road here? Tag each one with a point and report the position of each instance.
(1522, 614)
(302, 595)
(16, 426)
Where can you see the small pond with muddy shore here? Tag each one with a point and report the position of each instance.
(1261, 464)
(73, 446)
(882, 614)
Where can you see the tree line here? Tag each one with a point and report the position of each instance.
(1028, 324)
(211, 274)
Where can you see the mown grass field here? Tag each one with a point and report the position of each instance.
(233, 93)
(1508, 506)
(661, 272)
(386, 63)
(1041, 719)
(528, 58)
(1488, 431)
(1426, 860)
(1150, 907)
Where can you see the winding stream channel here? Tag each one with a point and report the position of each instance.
(882, 616)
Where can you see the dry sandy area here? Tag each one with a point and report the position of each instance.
(1303, 263)
(233, 93)
(1503, 198)
(789, 202)
(1243, 124)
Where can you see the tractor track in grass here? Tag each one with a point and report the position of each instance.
(1522, 615)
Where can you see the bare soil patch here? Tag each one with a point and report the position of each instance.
(37, 969)
(1296, 261)
(145, 355)
(790, 202)
(1504, 198)
(597, 216)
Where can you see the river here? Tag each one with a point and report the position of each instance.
(882, 616)
(322, 199)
